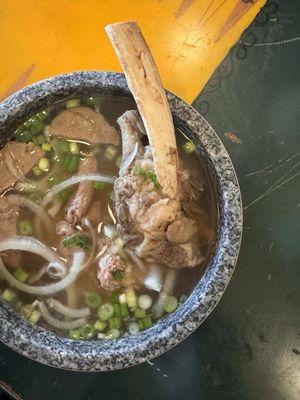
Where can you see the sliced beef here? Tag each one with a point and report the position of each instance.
(82, 199)
(83, 123)
(16, 160)
(9, 212)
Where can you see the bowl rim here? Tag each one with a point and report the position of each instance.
(47, 348)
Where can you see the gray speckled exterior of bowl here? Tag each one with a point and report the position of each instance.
(46, 347)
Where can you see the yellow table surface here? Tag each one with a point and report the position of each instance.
(188, 38)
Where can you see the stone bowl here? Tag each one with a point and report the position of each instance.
(46, 347)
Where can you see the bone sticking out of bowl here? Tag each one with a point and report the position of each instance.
(146, 86)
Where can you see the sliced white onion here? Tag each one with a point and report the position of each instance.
(78, 259)
(37, 276)
(136, 259)
(24, 201)
(110, 232)
(30, 244)
(56, 269)
(111, 214)
(56, 323)
(67, 311)
(73, 181)
(167, 290)
(129, 160)
(52, 211)
(154, 278)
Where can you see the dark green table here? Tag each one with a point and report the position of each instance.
(249, 348)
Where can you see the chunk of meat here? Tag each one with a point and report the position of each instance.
(9, 212)
(82, 199)
(16, 160)
(83, 123)
(109, 264)
(150, 222)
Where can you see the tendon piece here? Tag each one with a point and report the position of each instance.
(82, 199)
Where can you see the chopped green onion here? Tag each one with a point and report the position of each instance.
(113, 334)
(27, 310)
(9, 295)
(117, 322)
(77, 240)
(133, 328)
(93, 100)
(71, 163)
(36, 170)
(36, 197)
(99, 185)
(100, 325)
(74, 334)
(39, 140)
(189, 147)
(124, 310)
(105, 311)
(131, 298)
(118, 275)
(138, 313)
(34, 316)
(118, 161)
(35, 126)
(53, 180)
(147, 175)
(44, 164)
(46, 147)
(18, 304)
(43, 115)
(25, 227)
(117, 310)
(147, 322)
(63, 146)
(144, 302)
(87, 331)
(111, 323)
(93, 300)
(74, 148)
(72, 103)
(114, 297)
(64, 195)
(171, 303)
(23, 135)
(122, 298)
(110, 152)
(21, 275)
(112, 195)
(141, 324)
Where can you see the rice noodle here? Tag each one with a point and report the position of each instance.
(67, 311)
(167, 289)
(136, 259)
(74, 180)
(46, 290)
(56, 323)
(24, 201)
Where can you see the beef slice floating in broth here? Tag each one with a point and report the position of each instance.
(85, 124)
(16, 160)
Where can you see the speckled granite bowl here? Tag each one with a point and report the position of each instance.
(46, 347)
